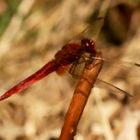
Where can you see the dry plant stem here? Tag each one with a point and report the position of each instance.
(79, 99)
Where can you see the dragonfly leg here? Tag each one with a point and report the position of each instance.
(72, 70)
(84, 61)
(75, 66)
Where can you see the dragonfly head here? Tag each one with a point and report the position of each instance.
(88, 45)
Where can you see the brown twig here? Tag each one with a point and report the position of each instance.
(79, 99)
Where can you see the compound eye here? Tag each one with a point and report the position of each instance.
(88, 44)
(92, 43)
(85, 42)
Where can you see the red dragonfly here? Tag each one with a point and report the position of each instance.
(70, 53)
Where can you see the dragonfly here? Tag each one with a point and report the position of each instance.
(71, 53)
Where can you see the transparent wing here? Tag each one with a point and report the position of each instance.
(111, 87)
(122, 64)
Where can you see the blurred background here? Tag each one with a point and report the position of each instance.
(32, 31)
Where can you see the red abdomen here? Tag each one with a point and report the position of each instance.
(44, 71)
